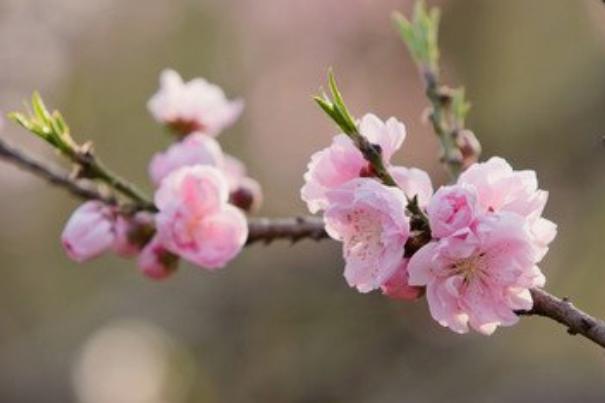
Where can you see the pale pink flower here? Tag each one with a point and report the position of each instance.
(330, 168)
(195, 149)
(389, 135)
(414, 182)
(132, 233)
(398, 287)
(195, 221)
(342, 161)
(369, 218)
(155, 261)
(199, 149)
(89, 231)
(500, 188)
(479, 276)
(193, 106)
(452, 208)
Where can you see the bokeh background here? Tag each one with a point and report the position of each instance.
(280, 324)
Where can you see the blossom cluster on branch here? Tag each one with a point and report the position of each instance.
(472, 247)
(201, 197)
(486, 231)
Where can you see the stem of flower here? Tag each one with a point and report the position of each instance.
(95, 169)
(441, 102)
(53, 175)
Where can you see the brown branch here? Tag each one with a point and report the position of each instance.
(260, 229)
(294, 229)
(564, 312)
(53, 175)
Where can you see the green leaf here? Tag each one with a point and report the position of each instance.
(20, 119)
(50, 127)
(40, 110)
(420, 34)
(327, 106)
(335, 107)
(339, 105)
(330, 109)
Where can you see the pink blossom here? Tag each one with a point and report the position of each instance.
(342, 161)
(480, 275)
(370, 220)
(452, 208)
(388, 135)
(500, 188)
(89, 231)
(195, 149)
(199, 149)
(195, 221)
(132, 233)
(414, 182)
(193, 106)
(330, 168)
(397, 287)
(155, 261)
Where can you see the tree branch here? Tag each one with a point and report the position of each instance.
(564, 312)
(260, 229)
(295, 229)
(440, 101)
(53, 175)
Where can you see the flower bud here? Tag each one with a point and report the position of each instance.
(397, 286)
(132, 233)
(156, 262)
(89, 231)
(469, 147)
(452, 208)
(248, 196)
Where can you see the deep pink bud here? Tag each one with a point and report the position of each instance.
(156, 262)
(397, 287)
(132, 233)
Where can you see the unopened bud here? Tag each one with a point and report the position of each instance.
(156, 262)
(367, 171)
(182, 127)
(248, 196)
(469, 147)
(132, 233)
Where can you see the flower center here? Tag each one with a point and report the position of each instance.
(470, 267)
(364, 239)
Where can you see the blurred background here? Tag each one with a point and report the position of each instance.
(280, 324)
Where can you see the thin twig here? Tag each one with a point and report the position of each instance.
(91, 166)
(260, 229)
(564, 312)
(293, 229)
(53, 174)
(440, 101)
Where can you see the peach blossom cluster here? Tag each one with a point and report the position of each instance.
(487, 234)
(202, 194)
